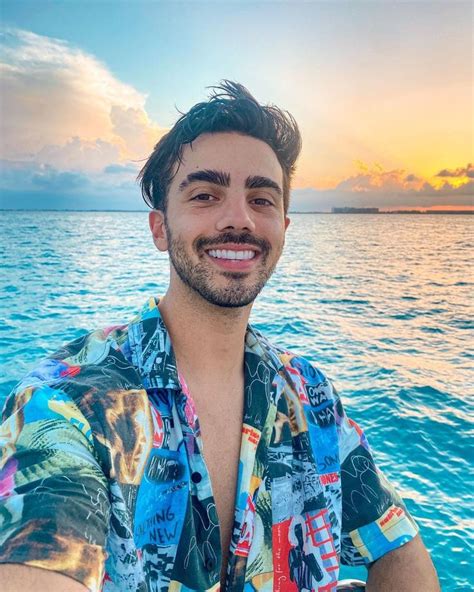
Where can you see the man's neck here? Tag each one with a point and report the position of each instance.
(208, 340)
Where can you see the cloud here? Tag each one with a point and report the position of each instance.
(134, 127)
(377, 179)
(66, 109)
(79, 154)
(69, 127)
(53, 180)
(467, 171)
(376, 187)
(29, 185)
(119, 169)
(412, 178)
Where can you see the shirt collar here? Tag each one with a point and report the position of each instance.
(152, 351)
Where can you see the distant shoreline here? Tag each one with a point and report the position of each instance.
(404, 212)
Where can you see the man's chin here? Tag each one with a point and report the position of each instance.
(232, 305)
(228, 302)
(225, 298)
(228, 289)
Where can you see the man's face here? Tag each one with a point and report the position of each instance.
(225, 224)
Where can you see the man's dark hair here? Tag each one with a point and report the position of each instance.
(230, 108)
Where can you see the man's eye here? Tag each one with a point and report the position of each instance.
(262, 201)
(203, 197)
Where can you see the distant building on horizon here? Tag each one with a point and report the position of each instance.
(347, 210)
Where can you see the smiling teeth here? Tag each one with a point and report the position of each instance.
(221, 254)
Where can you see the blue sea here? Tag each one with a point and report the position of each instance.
(381, 303)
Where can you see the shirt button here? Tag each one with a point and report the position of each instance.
(209, 564)
(196, 477)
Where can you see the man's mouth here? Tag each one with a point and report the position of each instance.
(232, 255)
(234, 259)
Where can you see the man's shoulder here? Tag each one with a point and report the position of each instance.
(297, 367)
(91, 346)
(95, 350)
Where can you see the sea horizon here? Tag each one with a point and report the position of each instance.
(401, 212)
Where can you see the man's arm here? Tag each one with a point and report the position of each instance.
(406, 569)
(56, 507)
(23, 578)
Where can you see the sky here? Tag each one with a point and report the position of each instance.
(382, 92)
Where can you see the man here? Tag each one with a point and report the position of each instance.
(111, 482)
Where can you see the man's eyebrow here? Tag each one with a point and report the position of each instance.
(208, 176)
(258, 182)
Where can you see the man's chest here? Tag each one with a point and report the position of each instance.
(221, 434)
(192, 471)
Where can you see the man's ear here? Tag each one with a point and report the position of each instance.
(156, 220)
(287, 222)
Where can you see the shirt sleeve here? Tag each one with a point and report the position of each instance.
(54, 505)
(374, 517)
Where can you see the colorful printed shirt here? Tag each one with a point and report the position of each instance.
(103, 479)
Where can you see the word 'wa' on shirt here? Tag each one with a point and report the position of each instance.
(103, 479)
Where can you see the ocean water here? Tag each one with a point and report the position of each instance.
(383, 304)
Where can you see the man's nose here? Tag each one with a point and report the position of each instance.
(236, 214)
